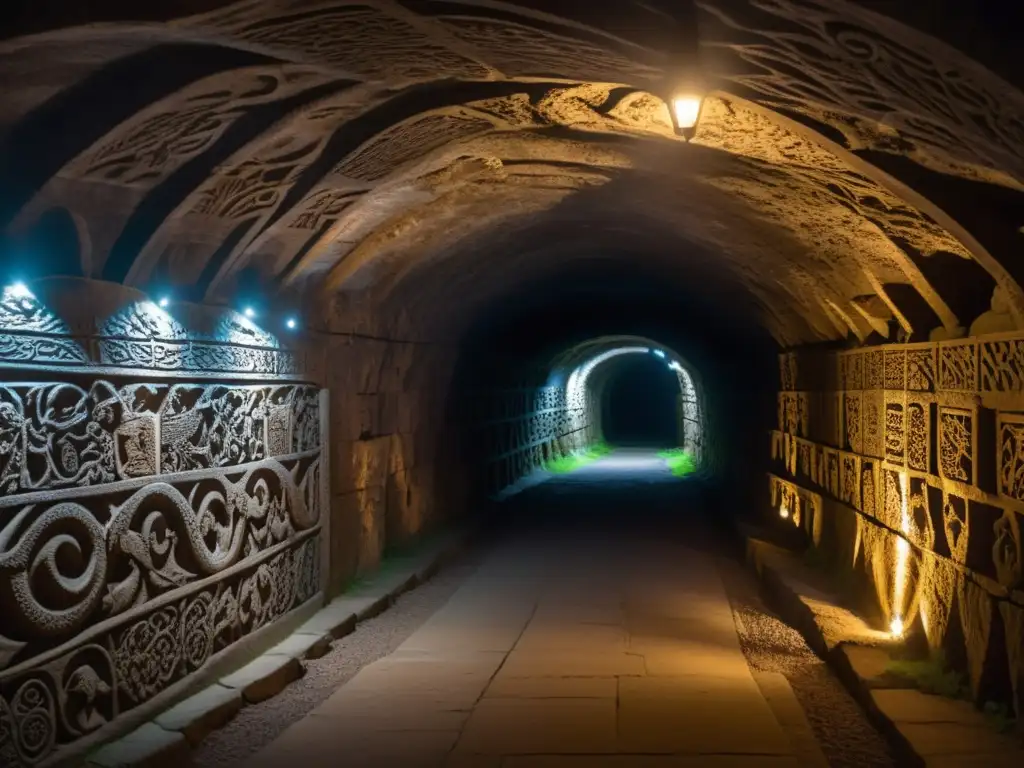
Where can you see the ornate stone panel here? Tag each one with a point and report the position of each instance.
(873, 424)
(854, 432)
(918, 436)
(1011, 455)
(1002, 366)
(921, 370)
(851, 480)
(895, 432)
(874, 370)
(956, 444)
(895, 369)
(955, 526)
(958, 367)
(853, 371)
(144, 528)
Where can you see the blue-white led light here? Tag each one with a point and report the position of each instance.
(164, 302)
(659, 353)
(291, 323)
(249, 312)
(19, 291)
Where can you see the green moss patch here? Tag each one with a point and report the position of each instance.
(679, 461)
(573, 461)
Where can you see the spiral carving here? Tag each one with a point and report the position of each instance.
(52, 570)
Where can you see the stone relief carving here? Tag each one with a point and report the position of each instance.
(895, 369)
(853, 422)
(162, 139)
(921, 370)
(409, 141)
(813, 56)
(518, 50)
(84, 686)
(895, 432)
(873, 426)
(1002, 366)
(376, 45)
(955, 524)
(958, 367)
(918, 439)
(874, 370)
(1011, 455)
(956, 444)
(144, 528)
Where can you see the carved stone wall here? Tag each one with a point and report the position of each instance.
(147, 523)
(518, 430)
(921, 442)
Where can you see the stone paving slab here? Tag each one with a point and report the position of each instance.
(166, 740)
(923, 729)
(541, 659)
(263, 677)
(198, 715)
(149, 746)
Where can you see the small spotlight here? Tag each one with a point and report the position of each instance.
(659, 353)
(165, 302)
(20, 291)
(783, 513)
(291, 323)
(249, 312)
(896, 627)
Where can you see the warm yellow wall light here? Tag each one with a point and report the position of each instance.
(685, 109)
(902, 556)
(783, 513)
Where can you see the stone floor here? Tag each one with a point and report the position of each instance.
(579, 642)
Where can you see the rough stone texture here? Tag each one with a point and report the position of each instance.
(257, 725)
(910, 490)
(198, 715)
(149, 746)
(264, 677)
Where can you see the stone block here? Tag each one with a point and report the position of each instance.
(361, 464)
(264, 677)
(403, 518)
(337, 618)
(149, 746)
(197, 716)
(302, 645)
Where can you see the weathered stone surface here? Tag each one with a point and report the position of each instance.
(198, 715)
(149, 746)
(301, 645)
(263, 677)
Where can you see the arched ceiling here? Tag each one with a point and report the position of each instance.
(850, 172)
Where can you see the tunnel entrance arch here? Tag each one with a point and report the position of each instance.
(583, 373)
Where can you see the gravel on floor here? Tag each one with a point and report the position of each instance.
(258, 725)
(846, 737)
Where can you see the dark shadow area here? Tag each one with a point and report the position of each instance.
(639, 403)
(512, 343)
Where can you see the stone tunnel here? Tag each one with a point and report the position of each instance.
(293, 287)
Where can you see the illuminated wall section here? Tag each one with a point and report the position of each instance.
(522, 429)
(160, 501)
(905, 465)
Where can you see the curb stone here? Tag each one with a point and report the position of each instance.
(165, 741)
(922, 729)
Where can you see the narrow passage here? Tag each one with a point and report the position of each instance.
(597, 631)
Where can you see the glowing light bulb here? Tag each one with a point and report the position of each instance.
(291, 323)
(896, 627)
(20, 291)
(659, 353)
(783, 513)
(165, 302)
(686, 110)
(249, 312)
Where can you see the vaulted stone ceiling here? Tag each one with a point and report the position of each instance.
(850, 173)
